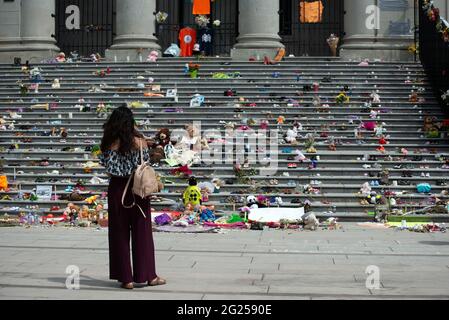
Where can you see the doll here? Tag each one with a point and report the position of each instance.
(192, 194)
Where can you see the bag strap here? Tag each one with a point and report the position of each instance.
(124, 194)
(134, 198)
(141, 152)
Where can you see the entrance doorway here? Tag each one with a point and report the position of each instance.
(305, 25)
(180, 16)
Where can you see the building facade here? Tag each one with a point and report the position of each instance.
(128, 29)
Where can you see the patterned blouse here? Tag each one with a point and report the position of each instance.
(122, 165)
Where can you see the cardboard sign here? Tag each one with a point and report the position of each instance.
(44, 192)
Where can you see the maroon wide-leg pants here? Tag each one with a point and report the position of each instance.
(123, 223)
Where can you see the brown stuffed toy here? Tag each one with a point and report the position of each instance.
(162, 138)
(428, 124)
(157, 145)
(413, 97)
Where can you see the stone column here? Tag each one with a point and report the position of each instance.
(135, 31)
(368, 33)
(31, 36)
(258, 29)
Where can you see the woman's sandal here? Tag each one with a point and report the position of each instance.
(128, 286)
(157, 282)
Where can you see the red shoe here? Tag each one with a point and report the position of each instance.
(292, 165)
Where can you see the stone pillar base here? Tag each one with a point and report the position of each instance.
(375, 53)
(386, 49)
(258, 53)
(34, 56)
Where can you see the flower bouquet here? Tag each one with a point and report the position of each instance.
(202, 21)
(193, 70)
(161, 17)
(333, 41)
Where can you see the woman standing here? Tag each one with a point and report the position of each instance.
(120, 156)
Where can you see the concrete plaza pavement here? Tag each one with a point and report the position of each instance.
(233, 265)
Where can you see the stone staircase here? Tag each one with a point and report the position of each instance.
(340, 173)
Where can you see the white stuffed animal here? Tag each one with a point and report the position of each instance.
(291, 135)
(251, 202)
(311, 222)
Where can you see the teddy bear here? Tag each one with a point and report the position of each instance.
(311, 222)
(291, 135)
(71, 212)
(56, 84)
(375, 97)
(153, 56)
(413, 97)
(61, 57)
(162, 138)
(157, 146)
(251, 202)
(428, 124)
(192, 139)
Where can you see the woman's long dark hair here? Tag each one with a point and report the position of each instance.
(120, 127)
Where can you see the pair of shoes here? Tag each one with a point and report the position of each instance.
(374, 183)
(157, 282)
(127, 286)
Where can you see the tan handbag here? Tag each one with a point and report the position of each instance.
(146, 182)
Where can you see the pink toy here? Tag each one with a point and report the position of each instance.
(153, 56)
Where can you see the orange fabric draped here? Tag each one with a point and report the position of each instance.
(201, 6)
(311, 12)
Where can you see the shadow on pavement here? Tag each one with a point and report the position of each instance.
(435, 243)
(88, 282)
